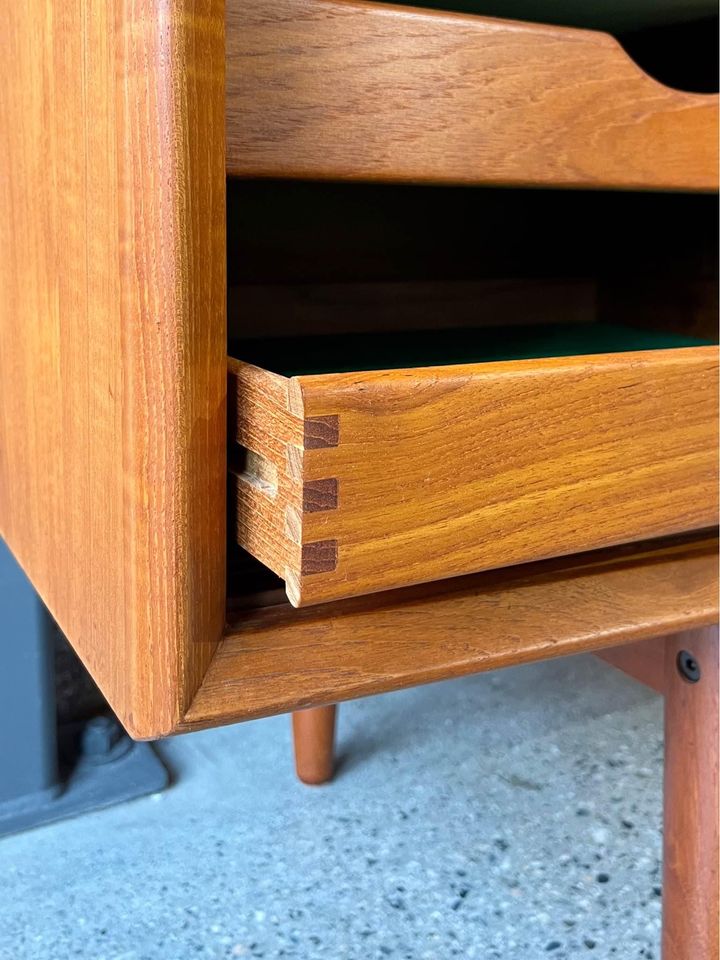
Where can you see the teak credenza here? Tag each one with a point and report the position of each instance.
(438, 502)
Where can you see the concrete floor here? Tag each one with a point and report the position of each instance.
(514, 815)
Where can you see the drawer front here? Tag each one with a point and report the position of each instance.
(361, 482)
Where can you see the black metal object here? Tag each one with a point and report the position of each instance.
(50, 772)
(688, 666)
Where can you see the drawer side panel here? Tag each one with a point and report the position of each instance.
(447, 471)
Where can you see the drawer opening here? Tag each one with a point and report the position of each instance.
(395, 476)
(307, 258)
(406, 402)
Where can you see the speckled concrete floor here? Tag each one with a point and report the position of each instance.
(514, 815)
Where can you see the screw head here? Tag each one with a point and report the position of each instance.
(688, 666)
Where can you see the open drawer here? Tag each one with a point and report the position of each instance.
(347, 483)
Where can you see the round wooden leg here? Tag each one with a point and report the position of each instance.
(314, 739)
(691, 868)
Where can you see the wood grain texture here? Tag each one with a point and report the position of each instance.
(267, 487)
(643, 661)
(320, 495)
(691, 849)
(354, 90)
(112, 335)
(279, 659)
(444, 471)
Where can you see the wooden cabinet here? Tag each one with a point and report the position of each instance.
(440, 499)
(119, 492)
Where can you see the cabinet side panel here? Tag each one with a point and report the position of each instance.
(112, 379)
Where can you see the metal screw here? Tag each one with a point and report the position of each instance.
(688, 667)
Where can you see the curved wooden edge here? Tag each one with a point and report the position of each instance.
(278, 659)
(173, 290)
(112, 335)
(368, 91)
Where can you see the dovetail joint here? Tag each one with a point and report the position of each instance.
(321, 432)
(320, 495)
(319, 557)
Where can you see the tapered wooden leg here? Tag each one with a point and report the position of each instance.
(691, 869)
(314, 739)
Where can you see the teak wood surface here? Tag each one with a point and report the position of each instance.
(112, 335)
(691, 849)
(362, 482)
(113, 396)
(643, 661)
(314, 744)
(277, 659)
(355, 90)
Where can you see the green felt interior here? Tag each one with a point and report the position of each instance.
(295, 356)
